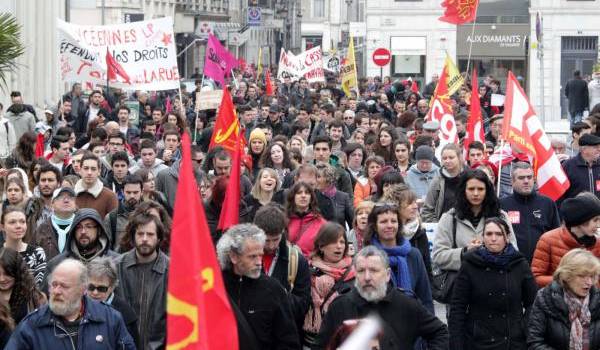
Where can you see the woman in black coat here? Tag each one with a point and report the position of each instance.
(492, 289)
(566, 314)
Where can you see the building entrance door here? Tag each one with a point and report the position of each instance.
(577, 53)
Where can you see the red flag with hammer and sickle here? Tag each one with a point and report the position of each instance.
(227, 126)
(459, 11)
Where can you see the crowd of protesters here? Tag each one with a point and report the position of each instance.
(337, 196)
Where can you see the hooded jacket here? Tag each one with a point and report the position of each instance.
(157, 167)
(22, 121)
(420, 181)
(71, 249)
(8, 139)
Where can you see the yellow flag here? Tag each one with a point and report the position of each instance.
(348, 71)
(259, 65)
(455, 80)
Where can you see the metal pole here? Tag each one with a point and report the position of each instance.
(541, 58)
(103, 4)
(471, 45)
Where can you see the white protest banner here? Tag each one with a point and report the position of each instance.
(311, 65)
(331, 62)
(145, 51)
(208, 100)
(288, 66)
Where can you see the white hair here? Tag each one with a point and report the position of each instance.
(234, 240)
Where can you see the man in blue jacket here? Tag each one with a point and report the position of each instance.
(530, 213)
(71, 320)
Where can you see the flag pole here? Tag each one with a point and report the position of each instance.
(500, 167)
(471, 44)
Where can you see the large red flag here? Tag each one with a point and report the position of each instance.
(113, 68)
(227, 126)
(268, 83)
(475, 121)
(441, 111)
(199, 315)
(414, 87)
(459, 11)
(230, 212)
(522, 127)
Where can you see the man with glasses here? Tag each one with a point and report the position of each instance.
(51, 235)
(348, 118)
(71, 317)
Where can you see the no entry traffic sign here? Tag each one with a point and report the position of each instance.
(382, 56)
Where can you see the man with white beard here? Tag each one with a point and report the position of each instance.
(261, 299)
(404, 318)
(71, 319)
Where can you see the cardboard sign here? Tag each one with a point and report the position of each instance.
(208, 100)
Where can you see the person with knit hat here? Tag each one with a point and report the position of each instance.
(257, 143)
(421, 175)
(581, 224)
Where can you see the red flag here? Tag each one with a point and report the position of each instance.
(459, 11)
(199, 315)
(414, 87)
(113, 68)
(269, 85)
(522, 127)
(227, 126)
(39, 145)
(230, 214)
(475, 121)
(441, 111)
(168, 105)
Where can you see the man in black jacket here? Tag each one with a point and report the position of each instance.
(577, 92)
(530, 213)
(261, 299)
(404, 318)
(583, 170)
(284, 261)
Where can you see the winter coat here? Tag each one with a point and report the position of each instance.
(115, 223)
(343, 208)
(362, 190)
(71, 249)
(166, 183)
(97, 197)
(434, 200)
(594, 92)
(549, 326)
(582, 177)
(404, 320)
(46, 237)
(530, 217)
(302, 230)
(298, 293)
(266, 307)
(152, 317)
(420, 182)
(576, 91)
(490, 315)
(101, 327)
(448, 258)
(156, 168)
(421, 242)
(551, 247)
(130, 318)
(8, 138)
(21, 122)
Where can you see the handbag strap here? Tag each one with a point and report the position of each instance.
(454, 231)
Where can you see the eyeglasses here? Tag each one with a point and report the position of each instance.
(86, 227)
(115, 144)
(101, 289)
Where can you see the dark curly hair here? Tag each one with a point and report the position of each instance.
(126, 243)
(24, 292)
(290, 205)
(267, 162)
(490, 206)
(378, 209)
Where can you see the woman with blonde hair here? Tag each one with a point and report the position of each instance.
(297, 142)
(267, 182)
(566, 313)
(360, 223)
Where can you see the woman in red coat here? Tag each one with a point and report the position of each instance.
(304, 217)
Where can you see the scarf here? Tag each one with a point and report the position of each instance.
(329, 191)
(321, 287)
(580, 317)
(398, 262)
(409, 230)
(62, 233)
(500, 259)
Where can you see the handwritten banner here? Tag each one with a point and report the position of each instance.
(308, 64)
(145, 50)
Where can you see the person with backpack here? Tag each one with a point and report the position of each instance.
(284, 261)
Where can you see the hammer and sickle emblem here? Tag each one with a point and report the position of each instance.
(179, 307)
(219, 138)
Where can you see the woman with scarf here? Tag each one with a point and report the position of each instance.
(412, 229)
(304, 218)
(491, 315)
(359, 226)
(332, 274)
(408, 269)
(566, 313)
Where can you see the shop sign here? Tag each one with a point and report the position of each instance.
(496, 40)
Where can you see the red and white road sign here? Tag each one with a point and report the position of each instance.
(382, 56)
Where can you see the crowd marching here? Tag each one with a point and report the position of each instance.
(349, 206)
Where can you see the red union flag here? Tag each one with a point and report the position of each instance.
(522, 127)
(474, 123)
(441, 111)
(459, 11)
(227, 126)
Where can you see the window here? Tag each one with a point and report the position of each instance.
(318, 7)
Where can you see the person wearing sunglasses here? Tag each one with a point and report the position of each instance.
(102, 281)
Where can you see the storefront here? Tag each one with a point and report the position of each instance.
(494, 50)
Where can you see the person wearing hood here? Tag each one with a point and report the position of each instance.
(441, 194)
(421, 175)
(581, 221)
(18, 115)
(8, 139)
(491, 315)
(116, 221)
(86, 240)
(90, 190)
(148, 159)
